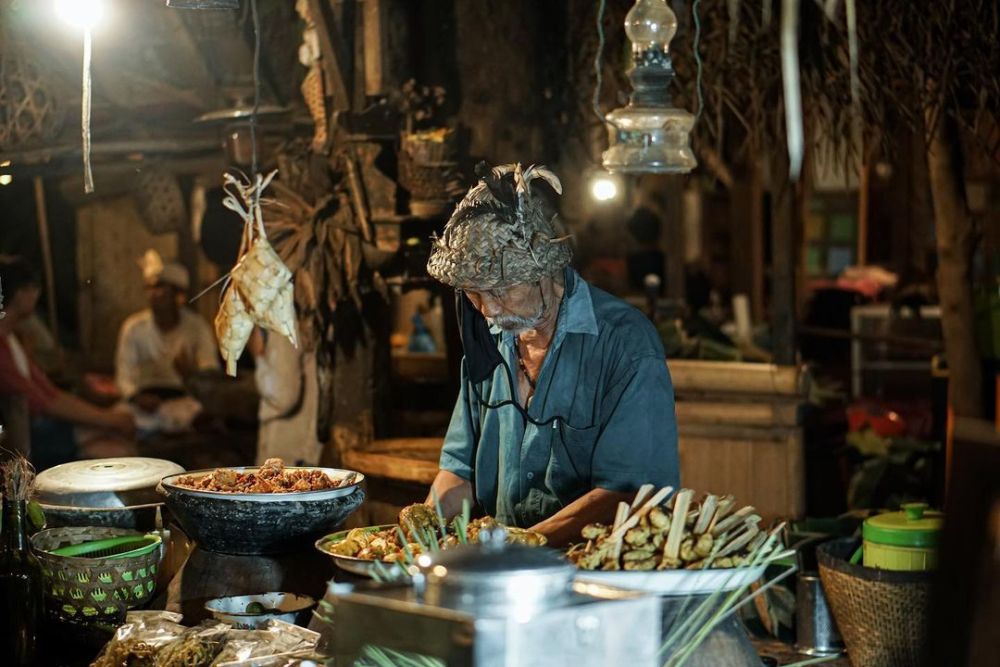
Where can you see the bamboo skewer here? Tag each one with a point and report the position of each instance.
(706, 515)
(672, 547)
(643, 511)
(641, 495)
(731, 521)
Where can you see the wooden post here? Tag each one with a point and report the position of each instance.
(747, 237)
(863, 195)
(955, 244)
(46, 246)
(783, 260)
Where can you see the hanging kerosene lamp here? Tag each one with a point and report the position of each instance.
(650, 135)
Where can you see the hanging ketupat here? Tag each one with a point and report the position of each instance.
(260, 290)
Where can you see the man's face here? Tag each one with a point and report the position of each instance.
(22, 304)
(162, 298)
(516, 309)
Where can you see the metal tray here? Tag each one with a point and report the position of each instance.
(360, 566)
(676, 582)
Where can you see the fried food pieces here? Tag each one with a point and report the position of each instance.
(272, 477)
(417, 523)
(660, 534)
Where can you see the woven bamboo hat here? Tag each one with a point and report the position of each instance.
(502, 233)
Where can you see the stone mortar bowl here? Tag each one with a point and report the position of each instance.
(251, 524)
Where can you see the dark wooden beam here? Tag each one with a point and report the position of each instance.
(337, 66)
(784, 212)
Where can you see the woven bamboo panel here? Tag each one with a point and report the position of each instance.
(30, 112)
(160, 201)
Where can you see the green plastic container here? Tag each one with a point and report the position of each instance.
(903, 541)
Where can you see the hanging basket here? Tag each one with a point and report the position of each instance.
(30, 112)
(160, 201)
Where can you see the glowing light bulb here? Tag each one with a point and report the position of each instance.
(650, 24)
(6, 179)
(603, 188)
(83, 14)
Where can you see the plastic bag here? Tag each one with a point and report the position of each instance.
(195, 647)
(139, 640)
(275, 645)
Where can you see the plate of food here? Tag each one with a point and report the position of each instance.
(270, 482)
(361, 550)
(261, 509)
(677, 545)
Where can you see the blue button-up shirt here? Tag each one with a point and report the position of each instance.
(602, 415)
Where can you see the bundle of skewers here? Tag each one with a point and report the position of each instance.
(260, 290)
(660, 531)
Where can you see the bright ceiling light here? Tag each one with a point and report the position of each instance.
(6, 179)
(603, 188)
(83, 14)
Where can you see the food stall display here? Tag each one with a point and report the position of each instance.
(495, 603)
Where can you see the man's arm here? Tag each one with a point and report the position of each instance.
(126, 362)
(597, 505)
(69, 408)
(450, 491)
(452, 485)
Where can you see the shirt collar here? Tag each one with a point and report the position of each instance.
(576, 313)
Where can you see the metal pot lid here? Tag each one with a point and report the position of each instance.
(104, 483)
(493, 557)
(495, 579)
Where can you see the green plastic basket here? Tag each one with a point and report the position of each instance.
(84, 587)
(130, 546)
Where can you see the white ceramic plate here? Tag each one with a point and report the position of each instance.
(324, 494)
(676, 582)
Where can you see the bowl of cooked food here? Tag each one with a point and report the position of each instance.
(383, 548)
(261, 509)
(252, 612)
(677, 545)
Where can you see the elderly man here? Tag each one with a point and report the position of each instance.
(566, 405)
(161, 347)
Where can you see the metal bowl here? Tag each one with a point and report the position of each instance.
(259, 523)
(287, 607)
(137, 517)
(359, 566)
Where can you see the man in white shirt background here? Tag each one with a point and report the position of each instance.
(161, 348)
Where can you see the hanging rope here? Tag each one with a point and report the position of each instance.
(697, 59)
(256, 86)
(88, 174)
(599, 60)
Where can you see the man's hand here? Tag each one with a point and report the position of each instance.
(147, 402)
(450, 491)
(597, 505)
(122, 423)
(185, 365)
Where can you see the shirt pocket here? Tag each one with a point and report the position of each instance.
(570, 462)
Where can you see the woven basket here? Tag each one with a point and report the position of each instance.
(426, 152)
(160, 201)
(882, 615)
(91, 588)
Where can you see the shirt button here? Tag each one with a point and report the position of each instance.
(531, 475)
